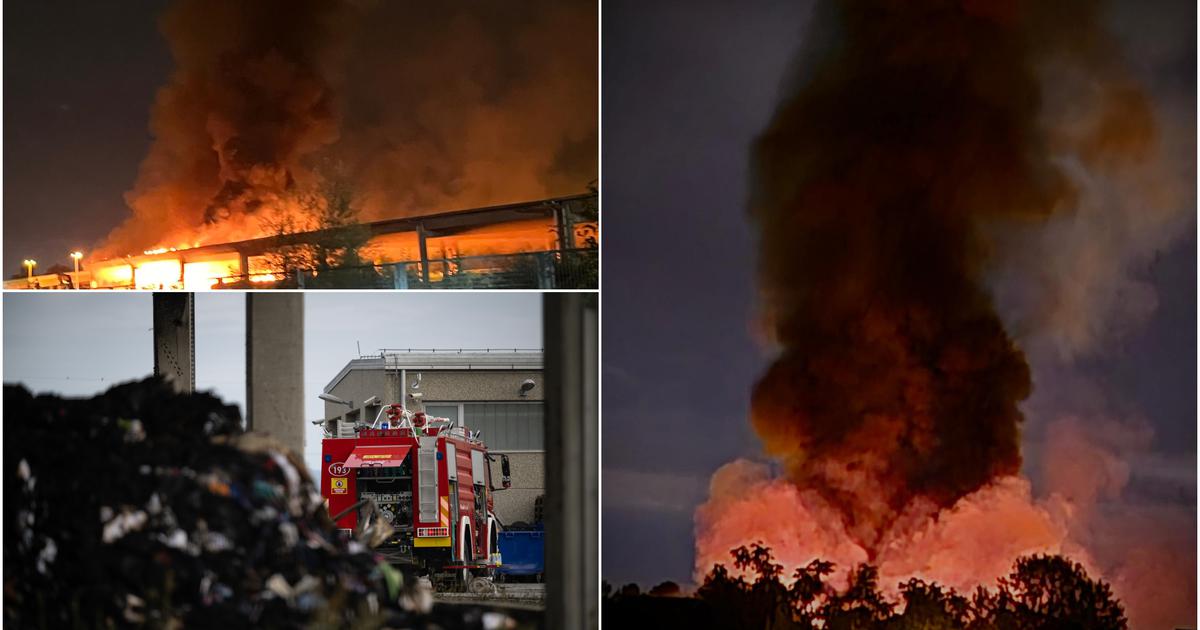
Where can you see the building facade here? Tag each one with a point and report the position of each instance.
(498, 392)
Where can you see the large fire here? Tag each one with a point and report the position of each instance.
(919, 137)
(270, 101)
(964, 546)
(1081, 512)
(191, 268)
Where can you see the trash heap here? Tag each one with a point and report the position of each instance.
(144, 507)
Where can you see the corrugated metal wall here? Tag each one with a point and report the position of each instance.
(507, 426)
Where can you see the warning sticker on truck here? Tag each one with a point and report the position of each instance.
(337, 485)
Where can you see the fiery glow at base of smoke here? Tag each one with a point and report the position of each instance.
(184, 268)
(1142, 550)
(969, 545)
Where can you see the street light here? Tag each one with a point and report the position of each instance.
(30, 264)
(76, 256)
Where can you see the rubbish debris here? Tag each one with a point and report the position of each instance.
(143, 506)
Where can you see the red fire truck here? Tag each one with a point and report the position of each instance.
(428, 478)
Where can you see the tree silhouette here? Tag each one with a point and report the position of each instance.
(1052, 591)
(929, 607)
(665, 589)
(334, 236)
(861, 605)
(1041, 593)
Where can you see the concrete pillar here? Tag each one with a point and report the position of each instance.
(275, 366)
(570, 324)
(175, 340)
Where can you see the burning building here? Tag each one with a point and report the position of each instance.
(405, 110)
(432, 247)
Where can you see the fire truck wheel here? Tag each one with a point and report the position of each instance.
(466, 557)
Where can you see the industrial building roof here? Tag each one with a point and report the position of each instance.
(454, 219)
(444, 359)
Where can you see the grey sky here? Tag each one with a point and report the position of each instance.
(78, 344)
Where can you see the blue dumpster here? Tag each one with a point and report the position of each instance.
(522, 553)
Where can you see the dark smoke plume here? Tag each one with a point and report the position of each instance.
(253, 94)
(425, 107)
(912, 126)
(467, 104)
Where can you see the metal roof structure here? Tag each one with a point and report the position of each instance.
(428, 225)
(444, 359)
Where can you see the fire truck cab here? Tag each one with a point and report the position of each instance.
(428, 478)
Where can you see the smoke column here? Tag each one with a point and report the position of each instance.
(913, 127)
(945, 187)
(253, 94)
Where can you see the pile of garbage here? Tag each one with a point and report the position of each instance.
(145, 507)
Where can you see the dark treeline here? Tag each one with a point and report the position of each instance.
(1042, 592)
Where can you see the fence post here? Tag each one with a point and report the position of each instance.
(399, 276)
(424, 255)
(545, 270)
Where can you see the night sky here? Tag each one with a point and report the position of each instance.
(79, 79)
(684, 93)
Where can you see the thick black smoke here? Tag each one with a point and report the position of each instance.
(253, 94)
(911, 126)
